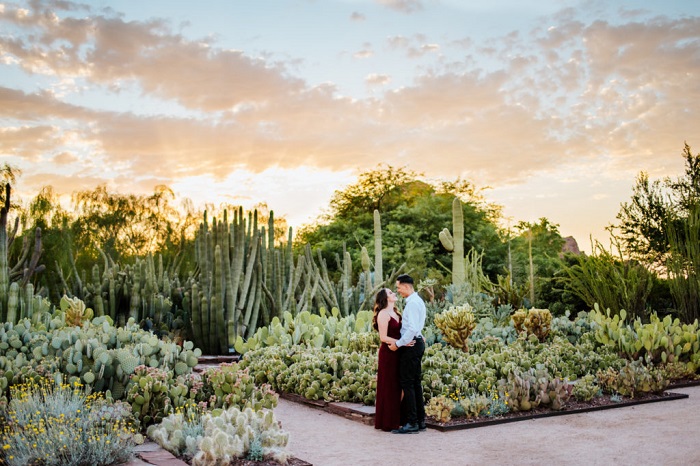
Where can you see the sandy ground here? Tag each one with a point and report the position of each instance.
(664, 433)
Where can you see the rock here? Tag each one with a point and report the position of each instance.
(570, 245)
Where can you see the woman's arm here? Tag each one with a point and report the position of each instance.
(383, 325)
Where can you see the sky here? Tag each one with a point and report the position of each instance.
(554, 107)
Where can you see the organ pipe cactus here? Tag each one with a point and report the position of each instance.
(14, 297)
(246, 280)
(4, 270)
(222, 298)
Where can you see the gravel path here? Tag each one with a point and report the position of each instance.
(664, 433)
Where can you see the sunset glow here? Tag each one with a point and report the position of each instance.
(555, 105)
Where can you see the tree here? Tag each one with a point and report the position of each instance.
(644, 221)
(8, 175)
(372, 191)
(542, 241)
(45, 212)
(127, 225)
(413, 214)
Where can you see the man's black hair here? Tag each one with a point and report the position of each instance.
(405, 278)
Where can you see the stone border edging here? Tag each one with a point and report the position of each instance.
(686, 384)
(348, 412)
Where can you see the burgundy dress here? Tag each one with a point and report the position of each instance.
(388, 402)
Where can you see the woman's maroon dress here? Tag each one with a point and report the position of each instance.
(388, 402)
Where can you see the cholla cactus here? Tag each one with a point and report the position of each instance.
(75, 312)
(519, 319)
(180, 433)
(231, 434)
(456, 324)
(536, 322)
(539, 323)
(440, 407)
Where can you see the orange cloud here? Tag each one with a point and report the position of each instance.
(619, 96)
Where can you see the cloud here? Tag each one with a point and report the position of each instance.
(413, 47)
(377, 79)
(402, 6)
(27, 142)
(107, 50)
(19, 105)
(620, 96)
(365, 52)
(65, 158)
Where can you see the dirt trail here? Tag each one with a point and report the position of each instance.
(664, 433)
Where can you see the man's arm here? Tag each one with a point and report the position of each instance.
(409, 325)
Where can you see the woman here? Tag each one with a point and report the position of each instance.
(388, 401)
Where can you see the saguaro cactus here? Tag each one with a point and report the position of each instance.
(455, 242)
(378, 272)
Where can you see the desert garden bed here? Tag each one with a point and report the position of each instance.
(366, 416)
(572, 407)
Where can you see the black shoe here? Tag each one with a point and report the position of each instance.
(408, 428)
(422, 426)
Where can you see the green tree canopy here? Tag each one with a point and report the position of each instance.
(375, 189)
(643, 222)
(413, 212)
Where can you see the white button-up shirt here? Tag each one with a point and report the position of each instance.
(412, 319)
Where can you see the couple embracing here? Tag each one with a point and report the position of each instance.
(399, 401)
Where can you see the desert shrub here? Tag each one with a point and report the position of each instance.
(51, 424)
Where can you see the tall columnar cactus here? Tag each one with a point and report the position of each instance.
(378, 272)
(231, 264)
(4, 269)
(246, 280)
(455, 242)
(14, 279)
(366, 271)
(346, 279)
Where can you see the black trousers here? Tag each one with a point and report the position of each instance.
(410, 358)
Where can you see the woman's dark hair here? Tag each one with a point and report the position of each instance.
(380, 302)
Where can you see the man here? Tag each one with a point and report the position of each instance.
(412, 322)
